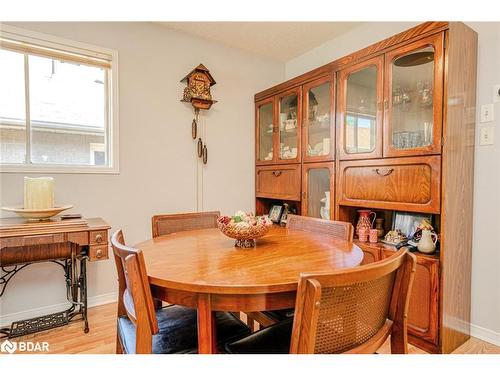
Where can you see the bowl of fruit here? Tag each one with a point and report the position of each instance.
(244, 227)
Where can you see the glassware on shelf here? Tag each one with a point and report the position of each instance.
(424, 92)
(413, 139)
(397, 96)
(411, 115)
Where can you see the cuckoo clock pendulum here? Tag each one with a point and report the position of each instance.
(197, 92)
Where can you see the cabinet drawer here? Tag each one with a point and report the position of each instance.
(98, 237)
(405, 184)
(281, 182)
(98, 252)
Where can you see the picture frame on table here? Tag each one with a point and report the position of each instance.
(284, 214)
(407, 222)
(275, 213)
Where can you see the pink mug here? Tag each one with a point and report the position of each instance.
(363, 234)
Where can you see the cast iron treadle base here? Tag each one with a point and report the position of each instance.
(41, 323)
(76, 290)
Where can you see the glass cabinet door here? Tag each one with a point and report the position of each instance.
(318, 185)
(265, 131)
(413, 98)
(360, 107)
(289, 126)
(318, 123)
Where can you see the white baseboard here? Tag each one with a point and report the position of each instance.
(485, 334)
(6, 320)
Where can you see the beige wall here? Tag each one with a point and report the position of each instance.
(486, 249)
(158, 165)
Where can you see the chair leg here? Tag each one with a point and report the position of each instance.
(251, 324)
(399, 342)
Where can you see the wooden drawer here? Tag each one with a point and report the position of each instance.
(405, 184)
(41, 239)
(98, 252)
(281, 182)
(98, 237)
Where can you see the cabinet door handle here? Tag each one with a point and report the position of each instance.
(386, 103)
(98, 238)
(277, 173)
(98, 254)
(387, 173)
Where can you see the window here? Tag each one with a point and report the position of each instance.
(58, 105)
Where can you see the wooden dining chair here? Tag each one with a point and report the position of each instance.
(348, 311)
(336, 229)
(166, 224)
(143, 329)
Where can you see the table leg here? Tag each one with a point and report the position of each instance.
(207, 342)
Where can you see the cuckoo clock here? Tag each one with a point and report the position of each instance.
(197, 92)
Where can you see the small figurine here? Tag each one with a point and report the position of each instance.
(394, 237)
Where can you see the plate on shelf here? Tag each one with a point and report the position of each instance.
(38, 214)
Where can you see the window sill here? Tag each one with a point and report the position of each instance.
(68, 169)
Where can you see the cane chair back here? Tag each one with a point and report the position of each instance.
(338, 229)
(134, 298)
(171, 223)
(355, 310)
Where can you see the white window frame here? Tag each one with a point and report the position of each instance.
(112, 131)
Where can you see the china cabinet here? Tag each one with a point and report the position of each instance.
(318, 121)
(318, 186)
(399, 137)
(265, 130)
(278, 130)
(289, 124)
(413, 98)
(360, 111)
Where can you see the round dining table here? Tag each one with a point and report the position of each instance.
(202, 269)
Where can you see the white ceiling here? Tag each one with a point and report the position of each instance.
(280, 41)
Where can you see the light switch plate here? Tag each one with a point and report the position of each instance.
(487, 113)
(487, 136)
(496, 93)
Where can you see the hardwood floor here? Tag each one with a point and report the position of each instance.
(101, 338)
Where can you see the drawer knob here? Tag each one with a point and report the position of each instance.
(277, 173)
(387, 173)
(98, 238)
(98, 253)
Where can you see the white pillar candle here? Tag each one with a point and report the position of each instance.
(38, 192)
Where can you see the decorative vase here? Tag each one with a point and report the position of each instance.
(365, 220)
(379, 226)
(427, 243)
